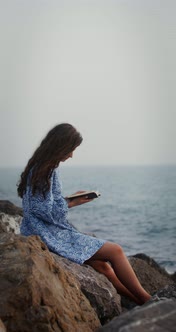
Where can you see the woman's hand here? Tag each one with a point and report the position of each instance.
(78, 200)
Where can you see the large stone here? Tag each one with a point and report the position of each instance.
(155, 316)
(10, 224)
(150, 261)
(10, 217)
(9, 208)
(97, 288)
(36, 294)
(101, 293)
(151, 276)
(168, 291)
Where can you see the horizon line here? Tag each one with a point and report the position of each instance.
(101, 165)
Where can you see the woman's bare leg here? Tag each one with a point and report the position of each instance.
(106, 269)
(114, 254)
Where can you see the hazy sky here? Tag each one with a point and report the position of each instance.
(107, 67)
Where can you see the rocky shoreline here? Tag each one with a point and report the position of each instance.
(43, 292)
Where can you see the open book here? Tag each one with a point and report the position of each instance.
(88, 194)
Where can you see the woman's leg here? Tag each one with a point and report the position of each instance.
(106, 269)
(114, 254)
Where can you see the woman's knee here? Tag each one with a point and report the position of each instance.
(107, 252)
(119, 249)
(115, 248)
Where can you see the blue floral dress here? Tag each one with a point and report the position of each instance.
(47, 217)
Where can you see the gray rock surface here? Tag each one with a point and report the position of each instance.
(151, 276)
(10, 217)
(10, 223)
(151, 262)
(96, 287)
(155, 316)
(9, 208)
(168, 291)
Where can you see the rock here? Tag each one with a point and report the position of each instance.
(96, 287)
(150, 261)
(41, 291)
(173, 276)
(36, 294)
(10, 223)
(157, 317)
(9, 208)
(168, 291)
(150, 275)
(10, 217)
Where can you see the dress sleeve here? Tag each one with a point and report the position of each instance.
(52, 208)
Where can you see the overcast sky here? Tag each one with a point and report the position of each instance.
(107, 67)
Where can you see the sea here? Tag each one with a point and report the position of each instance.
(136, 209)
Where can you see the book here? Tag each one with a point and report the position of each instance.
(89, 194)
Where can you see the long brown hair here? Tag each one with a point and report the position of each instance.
(60, 141)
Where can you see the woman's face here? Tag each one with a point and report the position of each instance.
(69, 155)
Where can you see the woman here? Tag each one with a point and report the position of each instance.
(45, 214)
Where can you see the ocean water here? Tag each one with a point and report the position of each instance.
(136, 209)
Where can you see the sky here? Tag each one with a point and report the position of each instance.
(107, 67)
